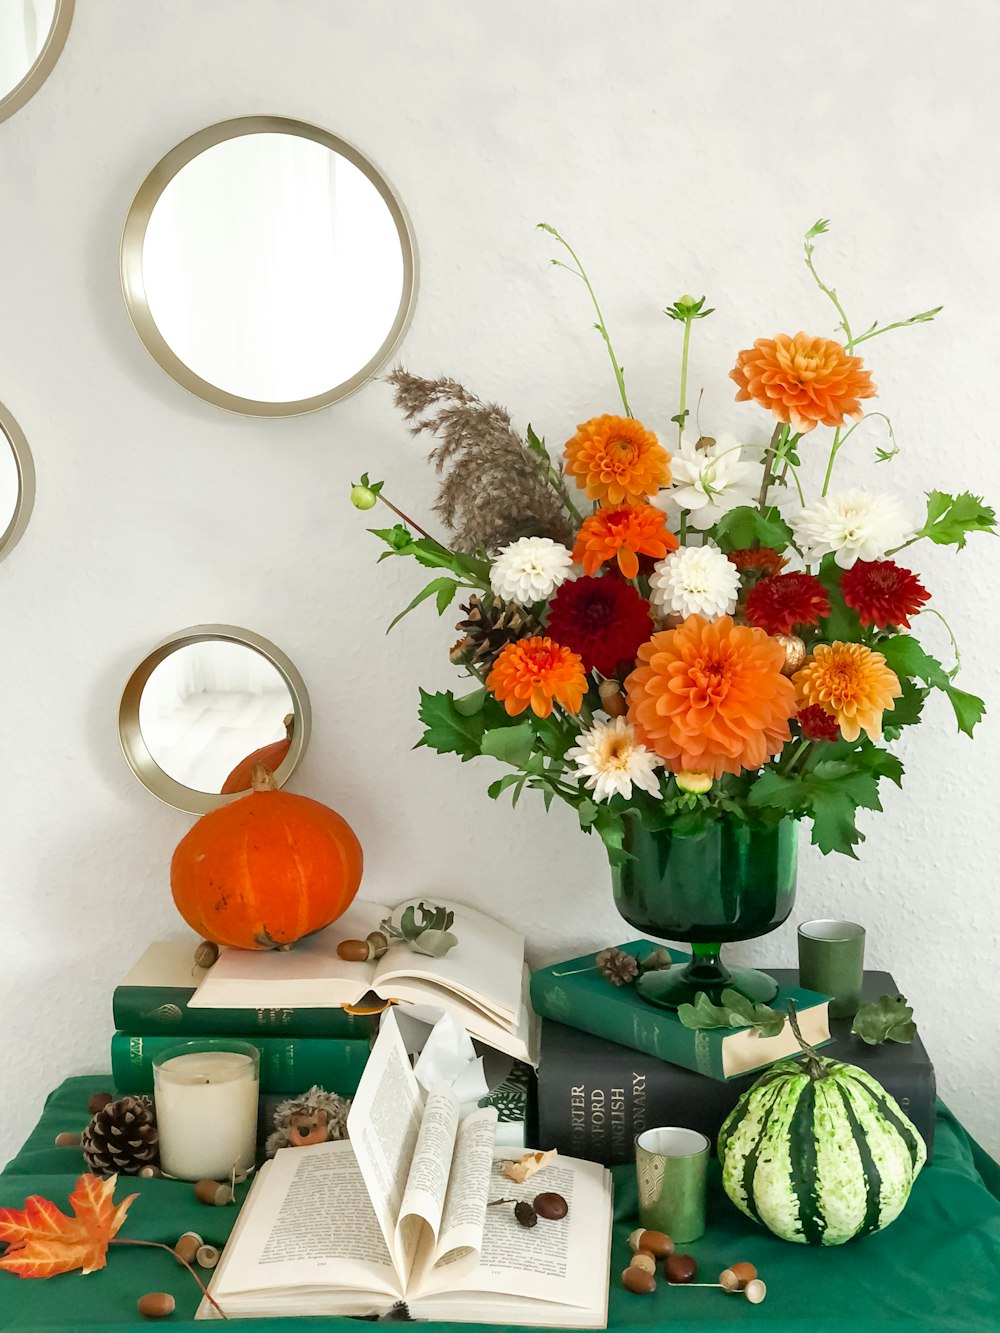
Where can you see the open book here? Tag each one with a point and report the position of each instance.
(401, 1212)
(482, 982)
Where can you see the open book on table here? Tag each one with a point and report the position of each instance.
(400, 1211)
(481, 982)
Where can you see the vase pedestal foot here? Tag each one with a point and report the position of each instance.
(706, 973)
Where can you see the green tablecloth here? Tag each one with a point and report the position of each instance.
(937, 1267)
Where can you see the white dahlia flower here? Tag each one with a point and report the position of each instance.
(709, 481)
(613, 760)
(695, 580)
(530, 570)
(854, 525)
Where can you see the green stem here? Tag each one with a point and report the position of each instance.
(829, 291)
(685, 349)
(602, 328)
(785, 768)
(770, 453)
(558, 485)
(811, 1060)
(929, 610)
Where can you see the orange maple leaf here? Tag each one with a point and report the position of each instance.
(43, 1241)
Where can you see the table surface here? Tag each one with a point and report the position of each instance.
(937, 1267)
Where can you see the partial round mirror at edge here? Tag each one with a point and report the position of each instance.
(32, 36)
(17, 483)
(268, 266)
(204, 708)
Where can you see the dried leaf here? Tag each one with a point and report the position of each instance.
(525, 1167)
(43, 1241)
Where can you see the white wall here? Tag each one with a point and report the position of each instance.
(682, 148)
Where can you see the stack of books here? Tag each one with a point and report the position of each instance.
(612, 1065)
(298, 1007)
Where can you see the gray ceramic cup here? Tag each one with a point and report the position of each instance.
(832, 961)
(670, 1166)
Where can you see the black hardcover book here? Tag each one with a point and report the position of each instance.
(594, 1097)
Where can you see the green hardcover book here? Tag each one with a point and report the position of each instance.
(154, 999)
(575, 994)
(287, 1064)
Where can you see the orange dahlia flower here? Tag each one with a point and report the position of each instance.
(804, 381)
(710, 696)
(616, 460)
(851, 683)
(537, 672)
(626, 532)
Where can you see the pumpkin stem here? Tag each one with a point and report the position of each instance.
(262, 779)
(289, 725)
(811, 1060)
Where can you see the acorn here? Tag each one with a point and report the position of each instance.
(553, 1207)
(67, 1140)
(612, 699)
(644, 1260)
(680, 1268)
(638, 1280)
(736, 1276)
(213, 1192)
(377, 942)
(207, 1256)
(206, 954)
(97, 1101)
(188, 1246)
(755, 1291)
(355, 951)
(150, 1172)
(156, 1304)
(658, 1244)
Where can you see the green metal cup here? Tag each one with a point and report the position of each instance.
(670, 1167)
(832, 961)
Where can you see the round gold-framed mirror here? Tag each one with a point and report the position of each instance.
(268, 266)
(32, 36)
(207, 705)
(17, 483)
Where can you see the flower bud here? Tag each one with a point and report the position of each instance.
(697, 784)
(686, 299)
(363, 497)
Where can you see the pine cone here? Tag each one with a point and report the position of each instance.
(488, 627)
(618, 967)
(121, 1138)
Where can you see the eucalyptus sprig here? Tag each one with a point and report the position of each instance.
(430, 935)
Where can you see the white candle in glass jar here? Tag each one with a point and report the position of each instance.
(206, 1110)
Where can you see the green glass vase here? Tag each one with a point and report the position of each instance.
(732, 881)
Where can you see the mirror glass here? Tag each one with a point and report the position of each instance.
(31, 35)
(17, 482)
(204, 708)
(275, 266)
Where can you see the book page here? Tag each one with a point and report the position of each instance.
(484, 967)
(307, 1222)
(564, 1262)
(309, 976)
(384, 1123)
(427, 1182)
(460, 1234)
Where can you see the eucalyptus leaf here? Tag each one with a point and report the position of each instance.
(889, 1018)
(434, 943)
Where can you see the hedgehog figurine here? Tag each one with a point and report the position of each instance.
(315, 1117)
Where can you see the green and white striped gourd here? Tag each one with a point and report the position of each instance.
(819, 1152)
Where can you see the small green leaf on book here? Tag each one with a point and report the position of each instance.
(734, 1011)
(889, 1018)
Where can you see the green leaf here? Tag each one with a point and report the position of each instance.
(444, 589)
(536, 445)
(907, 711)
(448, 731)
(888, 1018)
(744, 525)
(950, 518)
(471, 704)
(842, 624)
(733, 1011)
(434, 943)
(497, 788)
(907, 658)
(588, 812)
(432, 555)
(511, 745)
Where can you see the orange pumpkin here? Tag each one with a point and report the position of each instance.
(271, 756)
(266, 870)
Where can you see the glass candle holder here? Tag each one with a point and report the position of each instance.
(670, 1165)
(832, 961)
(206, 1095)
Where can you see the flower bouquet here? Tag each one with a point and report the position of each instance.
(694, 646)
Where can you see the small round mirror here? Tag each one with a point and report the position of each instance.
(32, 33)
(205, 708)
(267, 266)
(17, 482)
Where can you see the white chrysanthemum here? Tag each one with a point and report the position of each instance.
(613, 760)
(696, 580)
(530, 570)
(854, 525)
(709, 481)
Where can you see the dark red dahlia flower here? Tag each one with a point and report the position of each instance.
(883, 593)
(780, 603)
(817, 724)
(603, 619)
(759, 559)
